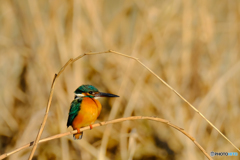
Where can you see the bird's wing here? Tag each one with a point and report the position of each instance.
(74, 109)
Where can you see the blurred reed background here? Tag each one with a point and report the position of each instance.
(192, 45)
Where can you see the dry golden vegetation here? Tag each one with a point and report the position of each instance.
(193, 45)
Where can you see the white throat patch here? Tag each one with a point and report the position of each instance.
(77, 96)
(80, 95)
(96, 97)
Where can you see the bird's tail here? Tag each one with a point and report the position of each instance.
(78, 136)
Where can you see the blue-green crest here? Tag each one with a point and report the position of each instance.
(85, 89)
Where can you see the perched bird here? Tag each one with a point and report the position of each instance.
(85, 108)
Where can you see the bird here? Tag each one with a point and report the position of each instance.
(85, 108)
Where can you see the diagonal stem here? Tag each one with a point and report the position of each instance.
(112, 122)
(165, 83)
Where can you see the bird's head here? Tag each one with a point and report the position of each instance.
(91, 92)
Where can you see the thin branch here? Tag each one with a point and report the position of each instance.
(44, 119)
(112, 122)
(47, 109)
(165, 83)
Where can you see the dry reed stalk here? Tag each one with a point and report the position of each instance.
(178, 95)
(121, 54)
(47, 109)
(112, 122)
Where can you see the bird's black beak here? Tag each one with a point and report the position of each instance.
(101, 94)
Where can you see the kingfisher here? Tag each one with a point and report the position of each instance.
(85, 108)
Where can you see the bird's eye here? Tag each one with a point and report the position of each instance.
(90, 92)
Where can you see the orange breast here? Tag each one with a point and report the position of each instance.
(90, 110)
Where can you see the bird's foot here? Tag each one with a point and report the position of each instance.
(90, 126)
(78, 130)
